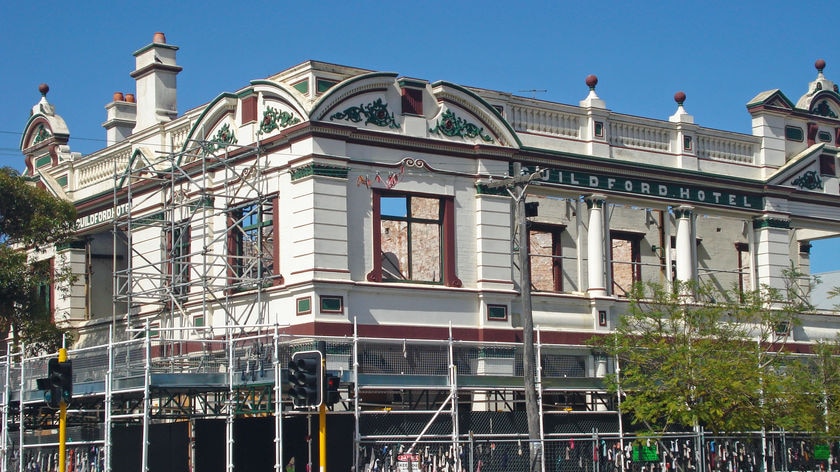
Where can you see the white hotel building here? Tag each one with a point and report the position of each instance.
(333, 202)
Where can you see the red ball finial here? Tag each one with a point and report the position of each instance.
(679, 97)
(591, 81)
(44, 89)
(819, 64)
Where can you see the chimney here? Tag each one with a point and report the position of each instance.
(122, 117)
(155, 72)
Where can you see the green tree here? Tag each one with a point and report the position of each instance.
(31, 222)
(701, 360)
(811, 397)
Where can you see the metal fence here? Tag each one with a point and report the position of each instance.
(606, 453)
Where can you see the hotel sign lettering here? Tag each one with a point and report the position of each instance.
(652, 188)
(104, 216)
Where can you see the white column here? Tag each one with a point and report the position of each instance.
(685, 249)
(596, 263)
(772, 252)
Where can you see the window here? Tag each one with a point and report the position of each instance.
(497, 313)
(41, 297)
(253, 244)
(413, 239)
(626, 261)
(744, 272)
(332, 304)
(178, 252)
(827, 165)
(545, 253)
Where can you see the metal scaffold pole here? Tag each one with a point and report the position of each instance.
(278, 405)
(7, 390)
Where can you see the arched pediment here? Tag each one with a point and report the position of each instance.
(41, 128)
(826, 104)
(367, 99)
(277, 107)
(223, 105)
(466, 116)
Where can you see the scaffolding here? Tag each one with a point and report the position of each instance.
(395, 390)
(191, 339)
(184, 213)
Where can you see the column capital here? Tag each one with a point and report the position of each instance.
(771, 222)
(683, 211)
(596, 200)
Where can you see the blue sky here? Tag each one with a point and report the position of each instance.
(721, 53)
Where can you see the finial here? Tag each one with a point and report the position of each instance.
(820, 65)
(679, 97)
(591, 81)
(44, 89)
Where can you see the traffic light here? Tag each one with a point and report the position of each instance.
(58, 385)
(305, 378)
(333, 396)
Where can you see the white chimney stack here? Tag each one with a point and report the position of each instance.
(156, 74)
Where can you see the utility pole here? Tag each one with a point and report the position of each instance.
(516, 187)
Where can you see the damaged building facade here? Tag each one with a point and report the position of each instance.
(364, 208)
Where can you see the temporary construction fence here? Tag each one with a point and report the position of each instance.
(608, 453)
(173, 400)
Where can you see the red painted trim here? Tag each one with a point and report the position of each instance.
(275, 222)
(450, 277)
(375, 275)
(813, 128)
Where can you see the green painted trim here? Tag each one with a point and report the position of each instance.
(680, 213)
(823, 109)
(43, 160)
(776, 93)
(344, 85)
(332, 304)
(303, 305)
(497, 352)
(221, 139)
(412, 83)
(452, 125)
(322, 85)
(497, 312)
(280, 87)
(42, 134)
(62, 180)
(809, 180)
(794, 133)
(77, 244)
(486, 105)
(302, 86)
(771, 223)
(482, 189)
(149, 220)
(245, 93)
(203, 114)
(375, 113)
(273, 119)
(318, 170)
(607, 163)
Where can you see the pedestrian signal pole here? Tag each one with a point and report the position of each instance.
(322, 411)
(58, 390)
(65, 380)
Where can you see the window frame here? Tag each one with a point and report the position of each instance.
(178, 265)
(237, 229)
(635, 240)
(556, 232)
(447, 238)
